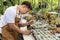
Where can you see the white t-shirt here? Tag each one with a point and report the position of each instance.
(9, 16)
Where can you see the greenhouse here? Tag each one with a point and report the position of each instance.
(30, 19)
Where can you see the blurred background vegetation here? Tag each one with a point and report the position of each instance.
(38, 5)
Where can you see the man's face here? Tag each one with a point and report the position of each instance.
(24, 9)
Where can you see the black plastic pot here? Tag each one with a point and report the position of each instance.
(4, 3)
(58, 25)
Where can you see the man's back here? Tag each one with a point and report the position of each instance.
(8, 15)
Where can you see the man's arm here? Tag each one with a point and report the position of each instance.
(16, 28)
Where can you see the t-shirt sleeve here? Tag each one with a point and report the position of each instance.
(10, 16)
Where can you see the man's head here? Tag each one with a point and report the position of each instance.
(25, 7)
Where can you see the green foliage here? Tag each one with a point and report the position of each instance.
(34, 5)
(1, 7)
(9, 3)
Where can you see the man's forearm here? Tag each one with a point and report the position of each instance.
(14, 27)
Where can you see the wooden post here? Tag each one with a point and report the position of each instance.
(58, 3)
(51, 4)
(18, 2)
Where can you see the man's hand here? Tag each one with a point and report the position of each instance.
(27, 32)
(31, 22)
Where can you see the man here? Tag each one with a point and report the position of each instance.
(10, 27)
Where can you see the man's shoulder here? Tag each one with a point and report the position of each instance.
(10, 11)
(11, 8)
